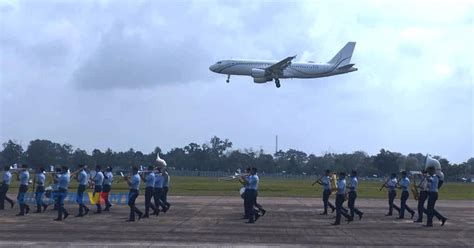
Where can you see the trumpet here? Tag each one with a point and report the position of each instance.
(236, 176)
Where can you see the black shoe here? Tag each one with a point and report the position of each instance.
(2, 208)
(12, 204)
(140, 215)
(417, 221)
(244, 217)
(45, 207)
(332, 210)
(335, 224)
(412, 214)
(27, 210)
(350, 220)
(156, 212)
(86, 211)
(400, 218)
(58, 219)
(145, 216)
(324, 213)
(257, 216)
(263, 212)
(360, 216)
(79, 215)
(165, 209)
(443, 221)
(106, 210)
(130, 220)
(428, 225)
(388, 215)
(65, 215)
(20, 214)
(250, 221)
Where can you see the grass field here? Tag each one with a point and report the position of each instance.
(209, 186)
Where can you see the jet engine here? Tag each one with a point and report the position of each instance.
(260, 80)
(258, 73)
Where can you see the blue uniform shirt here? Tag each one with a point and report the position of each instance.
(150, 180)
(7, 178)
(99, 178)
(341, 186)
(158, 180)
(354, 184)
(405, 183)
(253, 182)
(433, 183)
(326, 182)
(83, 178)
(392, 183)
(63, 181)
(135, 182)
(24, 177)
(40, 178)
(108, 177)
(166, 179)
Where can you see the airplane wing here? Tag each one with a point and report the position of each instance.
(278, 67)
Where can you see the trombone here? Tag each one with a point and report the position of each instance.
(236, 176)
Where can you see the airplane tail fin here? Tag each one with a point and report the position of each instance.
(343, 57)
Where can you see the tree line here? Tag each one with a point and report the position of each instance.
(218, 155)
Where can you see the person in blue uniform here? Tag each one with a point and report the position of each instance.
(107, 187)
(149, 179)
(63, 185)
(433, 186)
(353, 195)
(391, 185)
(326, 183)
(422, 196)
(24, 177)
(251, 194)
(134, 185)
(158, 191)
(82, 179)
(54, 188)
(98, 181)
(40, 180)
(404, 185)
(7, 179)
(340, 198)
(166, 187)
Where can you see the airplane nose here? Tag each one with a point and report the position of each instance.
(212, 68)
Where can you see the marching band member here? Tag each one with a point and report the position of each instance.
(433, 184)
(55, 187)
(63, 184)
(353, 195)
(7, 178)
(251, 194)
(158, 191)
(243, 179)
(404, 184)
(107, 187)
(98, 181)
(83, 179)
(134, 185)
(40, 180)
(340, 198)
(24, 177)
(325, 182)
(422, 196)
(391, 184)
(166, 187)
(149, 187)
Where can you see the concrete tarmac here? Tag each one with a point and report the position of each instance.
(207, 221)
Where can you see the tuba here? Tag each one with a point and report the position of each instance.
(333, 182)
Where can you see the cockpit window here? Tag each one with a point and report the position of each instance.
(220, 62)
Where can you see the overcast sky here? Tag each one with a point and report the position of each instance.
(134, 74)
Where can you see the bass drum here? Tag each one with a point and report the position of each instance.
(242, 192)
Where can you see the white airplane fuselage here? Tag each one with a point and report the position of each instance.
(263, 71)
(294, 70)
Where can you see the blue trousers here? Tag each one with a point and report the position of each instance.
(132, 196)
(326, 194)
(60, 196)
(98, 190)
(403, 204)
(4, 197)
(21, 198)
(39, 197)
(340, 198)
(351, 204)
(80, 198)
(391, 205)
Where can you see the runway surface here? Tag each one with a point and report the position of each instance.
(215, 221)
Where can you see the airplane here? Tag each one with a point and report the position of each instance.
(264, 71)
